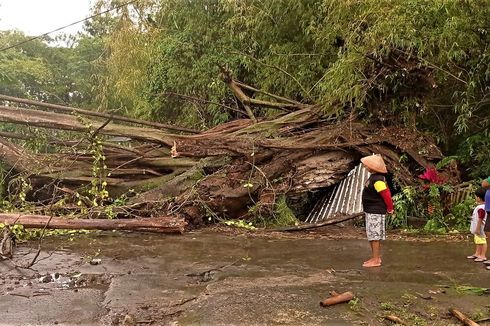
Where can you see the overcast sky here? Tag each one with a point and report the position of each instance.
(35, 17)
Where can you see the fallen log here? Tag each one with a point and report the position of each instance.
(339, 298)
(69, 110)
(318, 225)
(166, 224)
(60, 121)
(462, 317)
(234, 170)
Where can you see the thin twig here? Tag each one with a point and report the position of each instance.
(274, 67)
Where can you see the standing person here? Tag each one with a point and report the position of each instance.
(486, 184)
(477, 223)
(376, 202)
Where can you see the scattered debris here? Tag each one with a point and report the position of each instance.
(295, 152)
(207, 276)
(338, 218)
(394, 319)
(7, 243)
(424, 296)
(483, 320)
(95, 261)
(336, 298)
(437, 291)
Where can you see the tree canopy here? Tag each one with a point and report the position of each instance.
(421, 63)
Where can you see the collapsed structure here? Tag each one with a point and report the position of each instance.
(233, 170)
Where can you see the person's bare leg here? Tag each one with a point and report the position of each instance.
(475, 254)
(376, 252)
(478, 251)
(372, 250)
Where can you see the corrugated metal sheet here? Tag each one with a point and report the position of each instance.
(344, 198)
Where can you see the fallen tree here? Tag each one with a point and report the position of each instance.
(231, 170)
(165, 224)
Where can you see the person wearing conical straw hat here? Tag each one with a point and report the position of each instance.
(376, 202)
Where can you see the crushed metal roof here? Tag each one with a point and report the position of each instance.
(344, 198)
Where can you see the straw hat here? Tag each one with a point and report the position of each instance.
(375, 162)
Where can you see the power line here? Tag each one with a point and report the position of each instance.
(66, 26)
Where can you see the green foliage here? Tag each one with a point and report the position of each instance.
(436, 222)
(422, 63)
(42, 72)
(240, 224)
(404, 204)
(427, 204)
(23, 234)
(471, 290)
(283, 215)
(98, 189)
(3, 181)
(17, 189)
(459, 216)
(386, 306)
(474, 152)
(355, 304)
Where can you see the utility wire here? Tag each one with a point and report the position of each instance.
(63, 27)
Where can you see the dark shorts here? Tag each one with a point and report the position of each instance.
(486, 228)
(487, 200)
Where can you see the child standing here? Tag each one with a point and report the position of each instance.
(477, 224)
(376, 202)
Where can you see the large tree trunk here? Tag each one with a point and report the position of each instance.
(223, 171)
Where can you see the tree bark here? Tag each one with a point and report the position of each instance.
(339, 298)
(224, 171)
(164, 224)
(462, 317)
(68, 109)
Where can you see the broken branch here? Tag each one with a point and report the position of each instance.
(67, 109)
(462, 317)
(339, 298)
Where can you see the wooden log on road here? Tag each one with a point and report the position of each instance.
(164, 224)
(462, 317)
(337, 298)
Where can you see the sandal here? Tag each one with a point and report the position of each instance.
(487, 262)
(488, 267)
(480, 260)
(471, 257)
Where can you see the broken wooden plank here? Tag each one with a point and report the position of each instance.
(164, 224)
(462, 317)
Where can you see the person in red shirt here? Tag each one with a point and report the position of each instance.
(376, 202)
